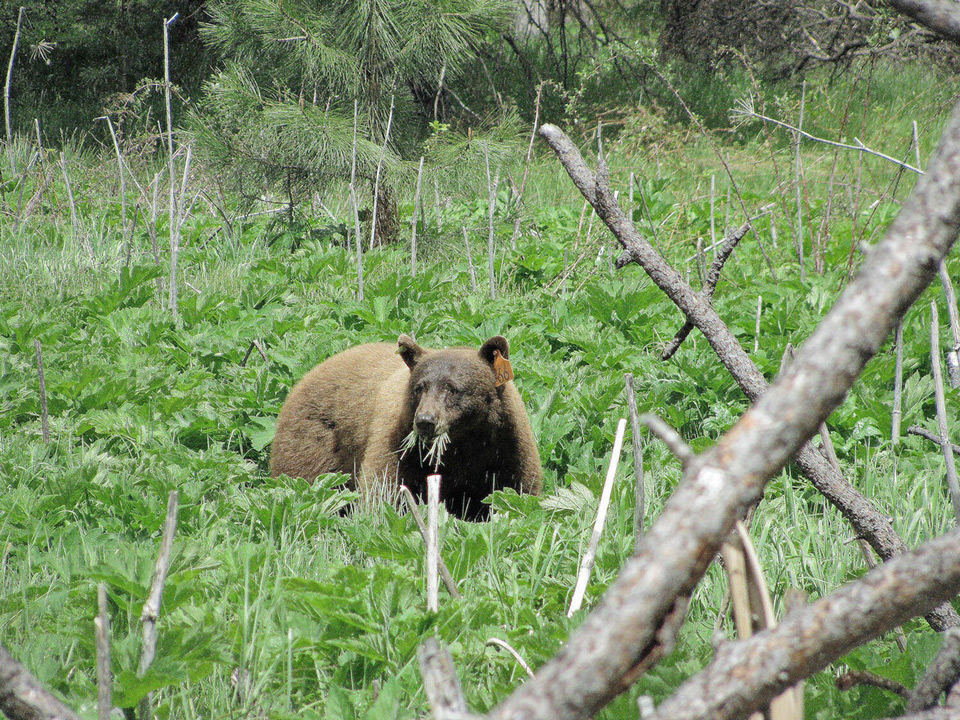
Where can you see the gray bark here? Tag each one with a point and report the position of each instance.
(22, 697)
(746, 675)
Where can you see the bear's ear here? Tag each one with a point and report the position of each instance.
(497, 342)
(409, 350)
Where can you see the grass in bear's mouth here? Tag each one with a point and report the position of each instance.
(431, 451)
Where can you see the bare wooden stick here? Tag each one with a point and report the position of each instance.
(726, 249)
(746, 110)
(473, 272)
(433, 541)
(526, 166)
(172, 302)
(799, 183)
(70, 199)
(638, 508)
(853, 678)
(756, 333)
(9, 82)
(413, 222)
(353, 203)
(440, 681)
(924, 433)
(491, 208)
(586, 565)
(516, 656)
(255, 344)
(952, 353)
(376, 182)
(445, 575)
(44, 416)
(151, 609)
(670, 437)
(942, 674)
(101, 626)
(951, 468)
(123, 182)
(897, 414)
(23, 697)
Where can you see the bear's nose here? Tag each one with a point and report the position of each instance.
(426, 424)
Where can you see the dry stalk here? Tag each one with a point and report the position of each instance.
(897, 414)
(951, 468)
(413, 221)
(151, 609)
(376, 182)
(639, 501)
(44, 416)
(9, 82)
(586, 565)
(516, 656)
(353, 204)
(952, 353)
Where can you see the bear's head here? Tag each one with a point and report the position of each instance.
(454, 392)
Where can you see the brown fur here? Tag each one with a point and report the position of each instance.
(352, 413)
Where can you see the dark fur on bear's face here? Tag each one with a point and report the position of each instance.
(452, 392)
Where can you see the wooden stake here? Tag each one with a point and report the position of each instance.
(586, 566)
(799, 180)
(44, 416)
(638, 508)
(951, 468)
(433, 541)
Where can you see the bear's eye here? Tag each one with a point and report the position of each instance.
(419, 388)
(454, 390)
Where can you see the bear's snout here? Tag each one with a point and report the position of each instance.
(426, 424)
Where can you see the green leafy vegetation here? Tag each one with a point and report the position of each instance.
(287, 599)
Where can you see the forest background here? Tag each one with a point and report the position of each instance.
(183, 234)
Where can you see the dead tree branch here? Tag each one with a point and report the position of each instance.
(440, 681)
(932, 437)
(22, 697)
(941, 16)
(942, 674)
(903, 261)
(713, 277)
(745, 675)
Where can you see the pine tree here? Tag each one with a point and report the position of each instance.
(281, 110)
